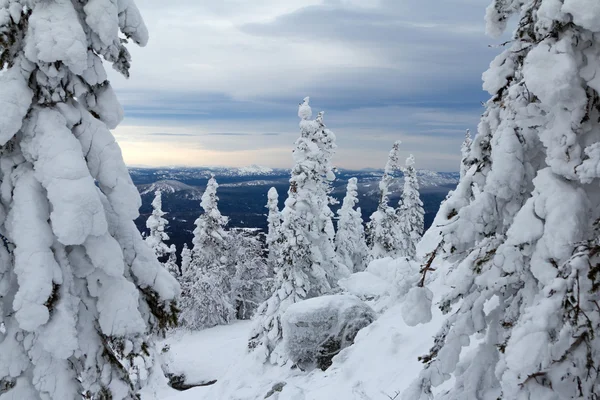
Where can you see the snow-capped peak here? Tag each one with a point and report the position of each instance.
(255, 170)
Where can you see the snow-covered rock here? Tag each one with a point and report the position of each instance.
(315, 330)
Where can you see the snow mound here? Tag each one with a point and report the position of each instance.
(365, 285)
(317, 329)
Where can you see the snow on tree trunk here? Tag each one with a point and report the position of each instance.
(410, 212)
(156, 224)
(80, 291)
(382, 229)
(307, 264)
(521, 228)
(350, 237)
(206, 281)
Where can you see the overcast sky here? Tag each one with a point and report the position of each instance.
(220, 81)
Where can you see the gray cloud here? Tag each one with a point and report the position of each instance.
(229, 75)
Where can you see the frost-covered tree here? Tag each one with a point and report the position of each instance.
(206, 281)
(465, 150)
(156, 225)
(186, 258)
(382, 229)
(520, 232)
(308, 265)
(171, 263)
(251, 279)
(274, 238)
(80, 291)
(410, 212)
(350, 242)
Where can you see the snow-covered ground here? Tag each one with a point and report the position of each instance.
(202, 356)
(382, 362)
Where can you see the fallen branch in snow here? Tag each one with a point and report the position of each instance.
(177, 382)
(427, 266)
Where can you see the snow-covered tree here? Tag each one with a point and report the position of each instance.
(350, 242)
(308, 265)
(171, 263)
(410, 212)
(251, 279)
(382, 228)
(206, 281)
(186, 258)
(274, 238)
(520, 232)
(156, 225)
(465, 151)
(80, 291)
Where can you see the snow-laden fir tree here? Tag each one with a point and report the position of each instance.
(186, 259)
(171, 263)
(410, 212)
(156, 225)
(206, 281)
(274, 238)
(521, 230)
(382, 229)
(251, 278)
(308, 265)
(80, 291)
(465, 150)
(350, 242)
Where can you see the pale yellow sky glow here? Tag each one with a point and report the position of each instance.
(141, 146)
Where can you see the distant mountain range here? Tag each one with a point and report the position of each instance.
(243, 193)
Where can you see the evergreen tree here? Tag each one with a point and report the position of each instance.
(186, 259)
(251, 278)
(156, 224)
(308, 265)
(171, 263)
(465, 151)
(520, 232)
(80, 292)
(274, 238)
(382, 229)
(206, 280)
(410, 212)
(350, 238)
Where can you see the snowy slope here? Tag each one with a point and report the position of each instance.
(166, 186)
(382, 362)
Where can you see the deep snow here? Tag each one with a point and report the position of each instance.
(381, 362)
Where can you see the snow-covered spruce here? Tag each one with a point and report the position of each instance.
(274, 238)
(382, 229)
(308, 265)
(186, 259)
(465, 150)
(80, 291)
(410, 212)
(350, 242)
(206, 282)
(171, 263)
(251, 280)
(156, 225)
(520, 230)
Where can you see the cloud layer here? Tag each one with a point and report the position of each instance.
(220, 83)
